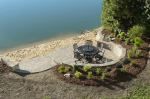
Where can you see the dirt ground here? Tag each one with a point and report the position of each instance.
(45, 85)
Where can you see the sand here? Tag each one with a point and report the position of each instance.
(44, 48)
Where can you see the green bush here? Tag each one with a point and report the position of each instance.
(129, 54)
(132, 52)
(133, 63)
(138, 53)
(78, 74)
(122, 35)
(138, 42)
(117, 40)
(127, 41)
(87, 68)
(99, 71)
(136, 31)
(108, 28)
(123, 69)
(103, 77)
(124, 14)
(63, 69)
(90, 75)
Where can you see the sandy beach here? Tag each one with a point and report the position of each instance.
(45, 47)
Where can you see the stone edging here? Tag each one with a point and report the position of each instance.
(117, 49)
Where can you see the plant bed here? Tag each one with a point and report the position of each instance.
(138, 63)
(88, 76)
(94, 81)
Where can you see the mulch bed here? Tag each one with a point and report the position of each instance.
(115, 75)
(85, 82)
(141, 61)
(4, 68)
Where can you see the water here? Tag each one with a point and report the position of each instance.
(28, 21)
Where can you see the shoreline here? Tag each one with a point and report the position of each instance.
(37, 43)
(44, 47)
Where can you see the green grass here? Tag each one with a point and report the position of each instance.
(139, 92)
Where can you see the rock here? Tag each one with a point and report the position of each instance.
(112, 39)
(67, 75)
(99, 36)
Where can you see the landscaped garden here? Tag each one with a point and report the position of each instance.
(124, 23)
(134, 62)
(132, 32)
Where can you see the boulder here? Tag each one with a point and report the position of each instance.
(68, 75)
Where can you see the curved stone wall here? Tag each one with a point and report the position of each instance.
(118, 51)
(119, 55)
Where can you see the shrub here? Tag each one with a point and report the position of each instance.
(78, 74)
(122, 69)
(107, 28)
(63, 69)
(138, 53)
(127, 41)
(99, 71)
(117, 40)
(103, 77)
(90, 75)
(122, 35)
(134, 52)
(138, 42)
(131, 53)
(133, 63)
(136, 31)
(87, 68)
(120, 13)
(74, 68)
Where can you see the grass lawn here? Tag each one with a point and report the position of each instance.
(139, 92)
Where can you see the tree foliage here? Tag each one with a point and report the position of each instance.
(124, 14)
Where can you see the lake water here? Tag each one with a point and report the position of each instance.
(28, 21)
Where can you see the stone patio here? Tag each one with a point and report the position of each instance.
(62, 55)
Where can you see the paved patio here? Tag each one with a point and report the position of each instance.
(61, 55)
